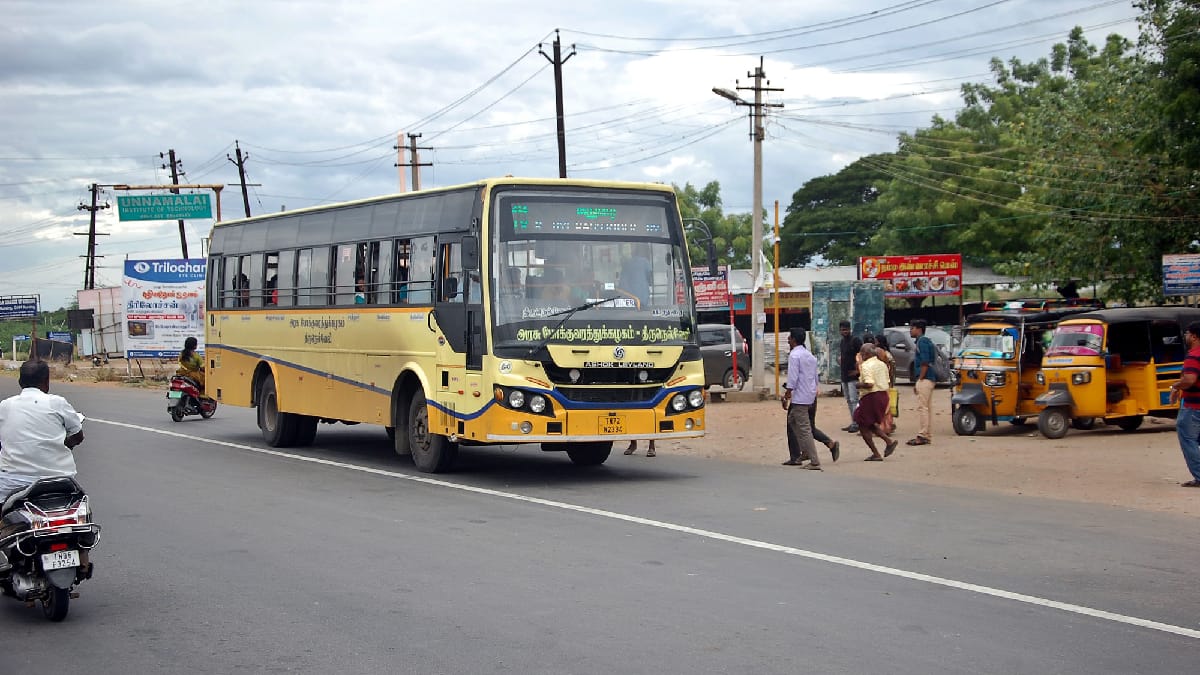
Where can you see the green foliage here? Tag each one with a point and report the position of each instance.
(731, 233)
(832, 217)
(47, 321)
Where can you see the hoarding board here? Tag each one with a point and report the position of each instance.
(164, 305)
(1181, 274)
(163, 207)
(19, 307)
(712, 290)
(909, 276)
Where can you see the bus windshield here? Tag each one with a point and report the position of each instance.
(608, 266)
(1076, 340)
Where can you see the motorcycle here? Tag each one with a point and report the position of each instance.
(184, 398)
(46, 534)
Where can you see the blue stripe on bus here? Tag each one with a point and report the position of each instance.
(566, 403)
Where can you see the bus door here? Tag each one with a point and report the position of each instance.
(459, 311)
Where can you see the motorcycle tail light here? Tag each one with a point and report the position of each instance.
(75, 514)
(60, 546)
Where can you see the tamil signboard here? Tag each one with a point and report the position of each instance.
(163, 207)
(1181, 274)
(164, 305)
(711, 290)
(910, 276)
(18, 307)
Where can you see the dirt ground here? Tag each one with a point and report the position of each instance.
(1130, 470)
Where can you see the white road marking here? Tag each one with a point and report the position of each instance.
(707, 534)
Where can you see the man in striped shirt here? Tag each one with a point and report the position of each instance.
(1187, 392)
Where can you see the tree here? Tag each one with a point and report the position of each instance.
(731, 234)
(832, 217)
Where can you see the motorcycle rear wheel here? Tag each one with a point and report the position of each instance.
(56, 603)
(176, 414)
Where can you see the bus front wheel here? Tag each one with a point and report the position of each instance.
(431, 453)
(589, 454)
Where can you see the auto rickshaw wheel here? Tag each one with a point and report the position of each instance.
(1129, 423)
(1053, 423)
(967, 421)
(1084, 423)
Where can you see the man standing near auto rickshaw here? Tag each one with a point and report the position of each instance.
(1187, 392)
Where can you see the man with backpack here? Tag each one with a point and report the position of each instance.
(923, 362)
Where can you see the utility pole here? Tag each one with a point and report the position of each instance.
(241, 165)
(399, 148)
(175, 181)
(89, 271)
(758, 320)
(416, 162)
(557, 61)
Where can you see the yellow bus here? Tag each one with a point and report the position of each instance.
(507, 311)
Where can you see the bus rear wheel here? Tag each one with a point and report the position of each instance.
(589, 454)
(431, 453)
(278, 428)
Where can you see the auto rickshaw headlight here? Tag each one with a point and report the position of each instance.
(1082, 377)
(995, 379)
(1041, 377)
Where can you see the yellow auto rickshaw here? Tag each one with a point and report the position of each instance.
(1114, 364)
(997, 367)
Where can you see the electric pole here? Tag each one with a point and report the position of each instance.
(759, 317)
(89, 271)
(416, 162)
(557, 61)
(241, 165)
(175, 181)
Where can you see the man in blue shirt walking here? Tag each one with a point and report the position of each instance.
(926, 380)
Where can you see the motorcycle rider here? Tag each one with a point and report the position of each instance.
(37, 432)
(191, 364)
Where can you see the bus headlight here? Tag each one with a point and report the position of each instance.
(679, 402)
(516, 398)
(1081, 377)
(995, 379)
(696, 398)
(537, 403)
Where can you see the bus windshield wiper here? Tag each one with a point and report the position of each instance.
(568, 314)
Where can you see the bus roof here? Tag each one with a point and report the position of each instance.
(483, 183)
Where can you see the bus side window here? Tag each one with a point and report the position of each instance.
(324, 266)
(304, 291)
(271, 285)
(401, 259)
(420, 271)
(255, 293)
(229, 285)
(285, 286)
(371, 273)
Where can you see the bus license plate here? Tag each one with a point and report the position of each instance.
(612, 424)
(174, 393)
(59, 560)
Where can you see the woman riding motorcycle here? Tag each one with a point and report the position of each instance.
(191, 364)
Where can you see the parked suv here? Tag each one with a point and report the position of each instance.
(903, 348)
(718, 357)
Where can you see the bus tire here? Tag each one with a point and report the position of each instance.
(401, 441)
(1053, 423)
(431, 453)
(278, 428)
(306, 430)
(589, 454)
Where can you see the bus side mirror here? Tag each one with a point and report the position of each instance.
(470, 253)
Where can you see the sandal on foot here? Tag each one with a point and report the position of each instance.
(919, 440)
(891, 447)
(651, 453)
(630, 451)
(873, 458)
(836, 450)
(1191, 483)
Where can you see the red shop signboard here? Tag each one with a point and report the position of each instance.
(907, 276)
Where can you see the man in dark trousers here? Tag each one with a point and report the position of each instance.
(849, 365)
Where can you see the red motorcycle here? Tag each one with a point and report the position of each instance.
(184, 398)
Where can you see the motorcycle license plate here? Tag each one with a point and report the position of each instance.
(59, 560)
(174, 394)
(612, 424)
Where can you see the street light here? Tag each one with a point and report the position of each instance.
(756, 303)
(712, 250)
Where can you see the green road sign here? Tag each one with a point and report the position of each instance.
(164, 207)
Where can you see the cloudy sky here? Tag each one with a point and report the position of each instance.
(316, 93)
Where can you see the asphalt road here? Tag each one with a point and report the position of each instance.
(220, 555)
